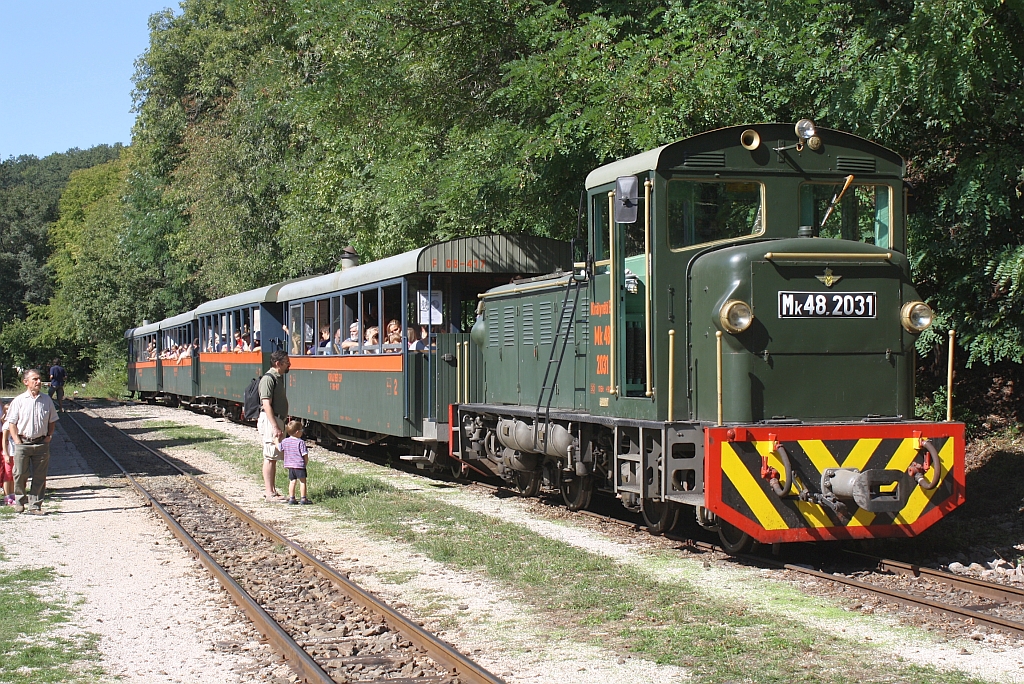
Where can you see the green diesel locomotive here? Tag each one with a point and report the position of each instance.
(739, 340)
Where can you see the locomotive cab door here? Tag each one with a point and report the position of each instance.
(629, 267)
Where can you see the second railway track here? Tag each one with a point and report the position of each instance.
(326, 627)
(970, 601)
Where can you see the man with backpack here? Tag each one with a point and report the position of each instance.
(274, 404)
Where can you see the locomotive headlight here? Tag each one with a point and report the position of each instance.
(916, 316)
(735, 316)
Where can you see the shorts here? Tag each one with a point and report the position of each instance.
(7, 472)
(271, 448)
(58, 390)
(296, 473)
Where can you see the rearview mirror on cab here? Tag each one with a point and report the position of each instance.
(626, 203)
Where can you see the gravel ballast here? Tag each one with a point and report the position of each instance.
(513, 642)
(159, 615)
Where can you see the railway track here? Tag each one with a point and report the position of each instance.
(971, 601)
(325, 626)
(968, 601)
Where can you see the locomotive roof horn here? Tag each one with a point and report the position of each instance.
(750, 139)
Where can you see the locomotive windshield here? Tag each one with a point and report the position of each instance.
(706, 211)
(862, 214)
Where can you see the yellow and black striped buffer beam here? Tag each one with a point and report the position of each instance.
(736, 491)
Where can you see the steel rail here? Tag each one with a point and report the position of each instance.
(908, 600)
(440, 651)
(298, 659)
(992, 590)
(981, 588)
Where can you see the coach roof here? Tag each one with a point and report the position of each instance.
(258, 295)
(142, 330)
(180, 319)
(496, 253)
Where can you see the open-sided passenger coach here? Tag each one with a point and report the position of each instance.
(32, 418)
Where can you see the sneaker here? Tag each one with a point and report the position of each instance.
(19, 507)
(292, 501)
(305, 501)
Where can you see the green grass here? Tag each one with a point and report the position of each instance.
(29, 652)
(578, 592)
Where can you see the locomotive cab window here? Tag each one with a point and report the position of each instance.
(862, 214)
(708, 211)
(599, 214)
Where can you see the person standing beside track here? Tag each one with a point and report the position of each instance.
(58, 376)
(270, 424)
(32, 418)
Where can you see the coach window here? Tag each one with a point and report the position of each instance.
(370, 301)
(295, 330)
(351, 325)
(308, 327)
(709, 211)
(245, 327)
(863, 214)
(322, 338)
(225, 332)
(392, 322)
(337, 333)
(206, 332)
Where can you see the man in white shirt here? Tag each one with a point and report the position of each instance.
(32, 418)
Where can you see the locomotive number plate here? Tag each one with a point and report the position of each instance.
(830, 305)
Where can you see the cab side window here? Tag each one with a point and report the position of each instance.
(707, 211)
(862, 214)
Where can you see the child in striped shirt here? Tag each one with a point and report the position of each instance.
(295, 459)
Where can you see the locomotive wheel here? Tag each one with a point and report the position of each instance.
(734, 541)
(577, 492)
(526, 484)
(456, 468)
(659, 516)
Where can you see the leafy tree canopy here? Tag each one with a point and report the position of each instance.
(272, 133)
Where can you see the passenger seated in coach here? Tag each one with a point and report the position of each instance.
(336, 343)
(240, 344)
(351, 343)
(324, 346)
(256, 342)
(415, 343)
(372, 341)
(393, 337)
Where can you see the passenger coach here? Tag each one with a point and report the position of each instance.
(375, 349)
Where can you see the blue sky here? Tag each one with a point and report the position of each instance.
(66, 69)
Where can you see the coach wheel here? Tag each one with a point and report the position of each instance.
(734, 541)
(526, 484)
(577, 492)
(659, 516)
